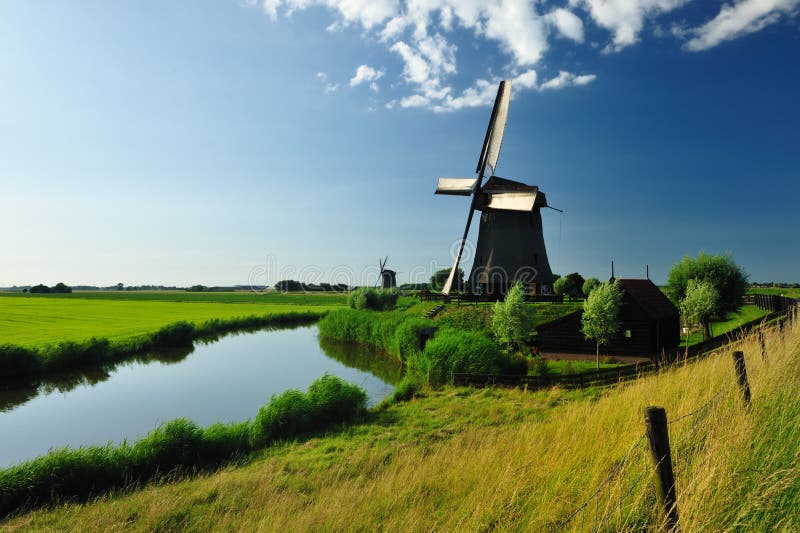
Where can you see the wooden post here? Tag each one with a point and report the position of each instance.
(763, 343)
(655, 421)
(741, 375)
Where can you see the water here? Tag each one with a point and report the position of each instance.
(222, 381)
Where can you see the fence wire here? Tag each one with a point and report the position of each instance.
(615, 471)
(697, 415)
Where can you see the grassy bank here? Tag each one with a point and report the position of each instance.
(464, 459)
(25, 361)
(34, 321)
(176, 448)
(397, 333)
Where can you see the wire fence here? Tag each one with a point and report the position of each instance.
(623, 500)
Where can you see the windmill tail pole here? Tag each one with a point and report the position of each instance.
(554, 208)
(448, 285)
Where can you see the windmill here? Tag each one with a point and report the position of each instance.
(387, 278)
(510, 241)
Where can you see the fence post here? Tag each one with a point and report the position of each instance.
(763, 343)
(741, 375)
(655, 421)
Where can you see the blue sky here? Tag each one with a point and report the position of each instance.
(221, 141)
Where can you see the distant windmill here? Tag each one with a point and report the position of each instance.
(510, 240)
(387, 277)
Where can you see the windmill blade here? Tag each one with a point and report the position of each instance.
(512, 201)
(490, 151)
(456, 186)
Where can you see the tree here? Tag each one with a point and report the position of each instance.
(40, 289)
(600, 320)
(727, 278)
(576, 282)
(561, 286)
(511, 318)
(589, 285)
(699, 305)
(440, 277)
(61, 288)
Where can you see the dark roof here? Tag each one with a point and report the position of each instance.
(649, 297)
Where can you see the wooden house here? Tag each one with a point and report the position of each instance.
(650, 323)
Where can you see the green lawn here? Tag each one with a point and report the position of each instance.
(745, 314)
(791, 293)
(567, 367)
(37, 320)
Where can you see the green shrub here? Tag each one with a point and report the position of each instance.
(460, 351)
(335, 400)
(374, 299)
(286, 415)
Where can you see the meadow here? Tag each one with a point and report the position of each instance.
(478, 459)
(34, 320)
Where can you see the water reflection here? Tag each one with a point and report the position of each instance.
(218, 380)
(18, 392)
(383, 365)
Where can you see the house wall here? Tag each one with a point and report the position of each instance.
(565, 336)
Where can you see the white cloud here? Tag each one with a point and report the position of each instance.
(625, 18)
(567, 23)
(367, 74)
(419, 32)
(567, 79)
(526, 80)
(746, 16)
(415, 100)
(518, 28)
(329, 87)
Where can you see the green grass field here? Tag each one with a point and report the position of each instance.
(791, 293)
(744, 315)
(28, 320)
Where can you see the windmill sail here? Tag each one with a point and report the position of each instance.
(499, 127)
(512, 201)
(456, 186)
(490, 151)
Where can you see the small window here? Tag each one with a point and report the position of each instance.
(627, 334)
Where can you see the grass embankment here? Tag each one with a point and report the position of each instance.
(745, 314)
(397, 333)
(43, 334)
(464, 459)
(478, 317)
(177, 447)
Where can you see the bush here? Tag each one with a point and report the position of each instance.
(459, 351)
(374, 299)
(286, 415)
(334, 400)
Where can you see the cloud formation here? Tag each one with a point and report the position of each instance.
(418, 32)
(746, 16)
(367, 74)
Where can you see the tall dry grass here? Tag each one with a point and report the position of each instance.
(736, 469)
